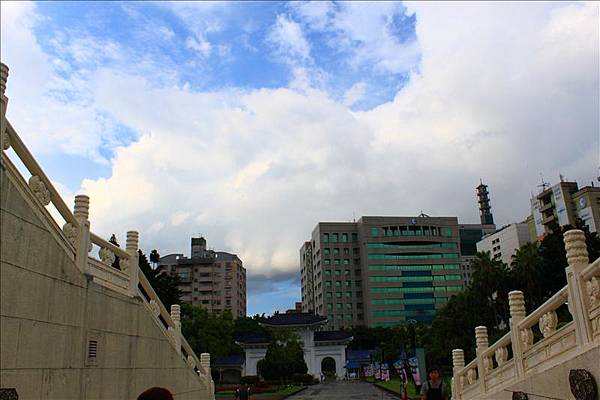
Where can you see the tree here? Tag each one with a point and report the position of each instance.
(154, 258)
(527, 269)
(284, 357)
(116, 264)
(209, 332)
(165, 286)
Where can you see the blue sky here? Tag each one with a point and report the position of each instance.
(249, 122)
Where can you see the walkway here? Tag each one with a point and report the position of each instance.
(343, 390)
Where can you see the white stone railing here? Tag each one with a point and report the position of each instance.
(128, 279)
(493, 370)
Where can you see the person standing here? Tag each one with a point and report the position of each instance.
(243, 392)
(434, 388)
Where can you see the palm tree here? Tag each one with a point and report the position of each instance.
(527, 267)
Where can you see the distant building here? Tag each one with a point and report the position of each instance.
(485, 213)
(564, 203)
(215, 280)
(469, 235)
(381, 271)
(504, 243)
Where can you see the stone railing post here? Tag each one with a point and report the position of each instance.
(577, 256)
(176, 330)
(4, 142)
(82, 244)
(458, 363)
(481, 340)
(519, 340)
(205, 363)
(132, 266)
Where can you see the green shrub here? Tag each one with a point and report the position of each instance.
(303, 379)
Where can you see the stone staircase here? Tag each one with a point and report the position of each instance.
(73, 326)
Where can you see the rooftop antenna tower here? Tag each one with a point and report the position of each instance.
(545, 185)
(483, 198)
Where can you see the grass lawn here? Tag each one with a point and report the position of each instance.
(277, 393)
(394, 385)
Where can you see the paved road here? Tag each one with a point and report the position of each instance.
(343, 390)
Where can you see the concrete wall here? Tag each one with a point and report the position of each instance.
(49, 311)
(554, 382)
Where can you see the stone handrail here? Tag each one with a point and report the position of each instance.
(591, 270)
(12, 139)
(497, 350)
(129, 279)
(553, 303)
(105, 244)
(171, 323)
(582, 294)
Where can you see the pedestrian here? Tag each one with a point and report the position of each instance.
(434, 388)
(243, 392)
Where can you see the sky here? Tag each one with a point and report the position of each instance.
(249, 122)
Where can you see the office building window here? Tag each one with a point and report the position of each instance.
(328, 295)
(325, 237)
(349, 306)
(327, 261)
(346, 272)
(374, 232)
(338, 295)
(329, 306)
(348, 294)
(338, 283)
(327, 283)
(347, 283)
(338, 272)
(354, 237)
(336, 252)
(346, 251)
(326, 251)
(338, 306)
(334, 237)
(346, 261)
(344, 237)
(336, 261)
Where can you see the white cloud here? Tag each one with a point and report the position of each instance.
(199, 44)
(364, 30)
(289, 40)
(356, 93)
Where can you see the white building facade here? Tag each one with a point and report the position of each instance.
(320, 348)
(504, 243)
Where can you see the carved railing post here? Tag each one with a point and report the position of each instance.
(205, 363)
(4, 141)
(521, 340)
(132, 264)
(175, 331)
(458, 363)
(82, 242)
(481, 340)
(577, 256)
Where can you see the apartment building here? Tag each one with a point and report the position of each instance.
(215, 280)
(562, 204)
(505, 242)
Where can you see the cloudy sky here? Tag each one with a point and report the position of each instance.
(250, 122)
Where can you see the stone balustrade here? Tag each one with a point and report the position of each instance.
(494, 369)
(125, 278)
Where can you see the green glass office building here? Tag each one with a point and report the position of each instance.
(381, 271)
